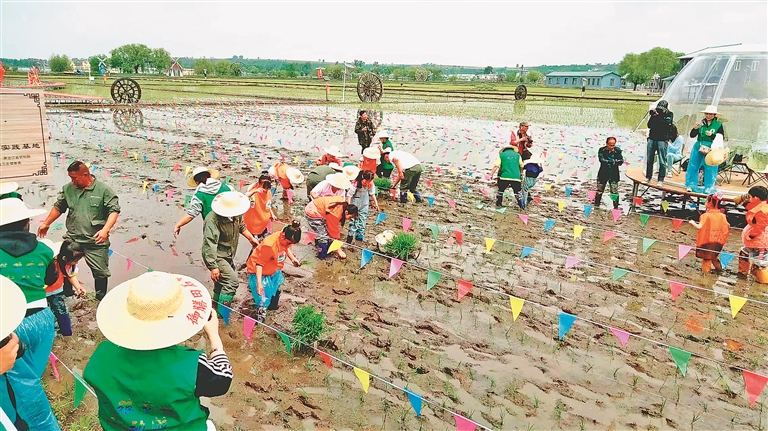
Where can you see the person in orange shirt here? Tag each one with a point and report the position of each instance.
(713, 233)
(370, 156)
(755, 235)
(332, 155)
(326, 216)
(287, 175)
(265, 264)
(260, 213)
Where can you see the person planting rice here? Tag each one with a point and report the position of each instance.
(319, 174)
(207, 187)
(66, 255)
(712, 235)
(385, 168)
(333, 185)
(326, 217)
(369, 158)
(522, 140)
(361, 194)
(332, 155)
(508, 165)
(532, 168)
(286, 175)
(408, 171)
(260, 213)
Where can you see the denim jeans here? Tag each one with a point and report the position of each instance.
(654, 148)
(695, 163)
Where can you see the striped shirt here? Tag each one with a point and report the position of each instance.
(214, 376)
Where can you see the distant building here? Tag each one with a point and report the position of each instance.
(607, 80)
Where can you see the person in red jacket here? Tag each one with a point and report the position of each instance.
(326, 216)
(755, 235)
(522, 141)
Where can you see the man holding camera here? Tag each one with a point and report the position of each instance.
(521, 141)
(659, 130)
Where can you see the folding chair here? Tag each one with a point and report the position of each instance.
(725, 170)
(677, 170)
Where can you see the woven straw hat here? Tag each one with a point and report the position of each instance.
(14, 305)
(335, 166)
(294, 176)
(716, 157)
(154, 310)
(230, 204)
(382, 134)
(340, 181)
(199, 170)
(333, 150)
(351, 172)
(14, 209)
(8, 187)
(371, 153)
(710, 109)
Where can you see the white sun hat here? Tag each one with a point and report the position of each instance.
(339, 181)
(351, 172)
(333, 150)
(294, 176)
(710, 109)
(230, 204)
(371, 153)
(382, 134)
(199, 170)
(8, 187)
(154, 310)
(14, 306)
(335, 166)
(14, 209)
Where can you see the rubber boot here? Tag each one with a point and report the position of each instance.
(521, 203)
(598, 199)
(616, 204)
(323, 253)
(349, 238)
(706, 266)
(718, 266)
(261, 314)
(100, 285)
(417, 196)
(403, 197)
(65, 325)
(744, 264)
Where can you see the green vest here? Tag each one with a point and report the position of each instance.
(714, 127)
(385, 164)
(10, 195)
(207, 199)
(146, 389)
(28, 271)
(510, 165)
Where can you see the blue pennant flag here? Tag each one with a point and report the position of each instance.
(548, 224)
(526, 252)
(213, 154)
(415, 402)
(109, 254)
(367, 255)
(588, 210)
(224, 313)
(466, 189)
(565, 322)
(273, 189)
(568, 191)
(380, 218)
(726, 258)
(431, 200)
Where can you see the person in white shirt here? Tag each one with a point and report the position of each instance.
(408, 171)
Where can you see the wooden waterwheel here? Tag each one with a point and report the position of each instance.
(128, 120)
(369, 87)
(125, 90)
(521, 92)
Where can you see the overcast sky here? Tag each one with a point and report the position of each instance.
(467, 33)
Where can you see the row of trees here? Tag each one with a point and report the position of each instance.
(641, 68)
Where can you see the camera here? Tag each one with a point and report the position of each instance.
(21, 350)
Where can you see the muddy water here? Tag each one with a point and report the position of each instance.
(468, 356)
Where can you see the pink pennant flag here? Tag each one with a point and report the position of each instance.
(169, 195)
(154, 162)
(242, 183)
(128, 265)
(53, 359)
(394, 266)
(616, 214)
(452, 204)
(676, 222)
(464, 287)
(438, 170)
(406, 224)
(309, 237)
(675, 289)
(524, 218)
(393, 193)
(248, 325)
(608, 235)
(591, 195)
(571, 261)
(464, 424)
(326, 358)
(107, 172)
(177, 168)
(289, 193)
(623, 336)
(682, 250)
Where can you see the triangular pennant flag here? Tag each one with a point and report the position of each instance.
(459, 235)
(577, 229)
(524, 218)
(736, 303)
(675, 289)
(489, 244)
(683, 250)
(568, 191)
(364, 377)
(394, 266)
(432, 278)
(638, 200)
(517, 306)
(286, 341)
(681, 358)
(463, 288)
(644, 219)
(367, 255)
(560, 206)
(309, 237)
(591, 195)
(664, 205)
(248, 325)
(326, 358)
(80, 389)
(608, 235)
(616, 214)
(406, 224)
(526, 251)
(588, 210)
(129, 263)
(431, 200)
(380, 218)
(335, 245)
(647, 243)
(618, 273)
(224, 312)
(548, 224)
(565, 321)
(623, 336)
(571, 261)
(415, 402)
(726, 258)
(755, 383)
(464, 424)
(53, 359)
(435, 230)
(676, 222)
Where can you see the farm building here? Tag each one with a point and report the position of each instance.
(610, 80)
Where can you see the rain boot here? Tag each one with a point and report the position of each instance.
(615, 203)
(323, 253)
(403, 197)
(598, 198)
(100, 285)
(65, 325)
(718, 266)
(417, 196)
(349, 238)
(261, 314)
(521, 203)
(706, 266)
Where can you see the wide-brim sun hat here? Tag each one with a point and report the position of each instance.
(710, 109)
(199, 170)
(230, 204)
(716, 157)
(55, 246)
(294, 176)
(153, 311)
(14, 306)
(335, 166)
(8, 187)
(333, 150)
(533, 159)
(371, 153)
(382, 134)
(351, 172)
(14, 209)
(340, 181)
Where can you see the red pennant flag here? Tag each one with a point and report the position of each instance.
(638, 200)
(464, 287)
(248, 325)
(459, 235)
(755, 384)
(429, 183)
(326, 358)
(676, 222)
(537, 199)
(175, 253)
(309, 237)
(675, 288)
(608, 235)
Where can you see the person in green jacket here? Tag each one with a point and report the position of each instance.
(207, 186)
(508, 165)
(384, 169)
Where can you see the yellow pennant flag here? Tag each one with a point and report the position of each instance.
(560, 156)
(517, 306)
(548, 186)
(295, 160)
(577, 229)
(144, 187)
(258, 165)
(335, 245)
(135, 156)
(449, 186)
(202, 152)
(560, 206)
(736, 303)
(664, 205)
(489, 243)
(186, 170)
(454, 171)
(364, 377)
(411, 197)
(88, 165)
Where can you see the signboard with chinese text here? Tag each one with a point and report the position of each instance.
(23, 135)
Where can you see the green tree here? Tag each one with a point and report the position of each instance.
(160, 60)
(94, 62)
(488, 70)
(203, 64)
(632, 67)
(436, 74)
(236, 69)
(131, 58)
(60, 63)
(533, 77)
(291, 71)
(660, 60)
(223, 68)
(335, 71)
(398, 73)
(453, 78)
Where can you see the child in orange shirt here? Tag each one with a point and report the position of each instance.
(713, 233)
(260, 213)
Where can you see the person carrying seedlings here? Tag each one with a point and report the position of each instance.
(265, 264)
(709, 133)
(532, 168)
(361, 194)
(66, 255)
(207, 186)
(333, 185)
(260, 213)
(332, 155)
(659, 132)
(384, 170)
(610, 161)
(318, 175)
(365, 130)
(754, 237)
(369, 158)
(508, 164)
(326, 217)
(143, 378)
(712, 235)
(287, 175)
(408, 171)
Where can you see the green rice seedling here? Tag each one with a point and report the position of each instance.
(309, 324)
(402, 245)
